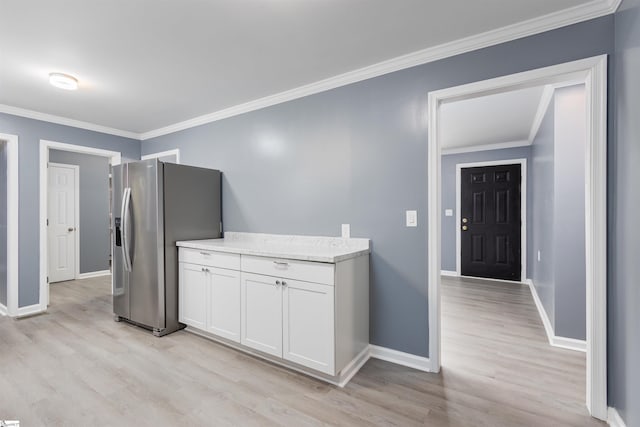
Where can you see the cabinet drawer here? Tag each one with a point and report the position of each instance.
(316, 272)
(209, 258)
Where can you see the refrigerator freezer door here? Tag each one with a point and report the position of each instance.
(120, 276)
(146, 280)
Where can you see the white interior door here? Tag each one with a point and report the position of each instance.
(63, 221)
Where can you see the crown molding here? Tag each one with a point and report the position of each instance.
(485, 147)
(36, 115)
(573, 15)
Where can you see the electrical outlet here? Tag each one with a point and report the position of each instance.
(448, 212)
(346, 231)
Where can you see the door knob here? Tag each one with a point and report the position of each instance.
(465, 228)
(465, 220)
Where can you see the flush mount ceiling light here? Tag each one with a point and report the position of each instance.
(63, 81)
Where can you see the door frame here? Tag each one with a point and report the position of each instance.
(175, 151)
(523, 210)
(13, 242)
(76, 208)
(46, 145)
(593, 73)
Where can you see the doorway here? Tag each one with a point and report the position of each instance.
(592, 73)
(61, 255)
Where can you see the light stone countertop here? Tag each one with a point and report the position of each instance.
(305, 248)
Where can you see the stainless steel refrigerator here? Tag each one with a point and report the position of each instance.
(154, 205)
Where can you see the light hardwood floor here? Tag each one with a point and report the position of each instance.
(76, 366)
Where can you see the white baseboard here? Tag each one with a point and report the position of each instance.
(400, 358)
(354, 366)
(3, 310)
(556, 341)
(449, 273)
(29, 310)
(569, 343)
(614, 419)
(92, 274)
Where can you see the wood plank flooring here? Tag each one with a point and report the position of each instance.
(76, 366)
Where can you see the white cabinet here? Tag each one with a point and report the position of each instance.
(308, 325)
(193, 295)
(209, 297)
(262, 313)
(290, 319)
(303, 314)
(223, 310)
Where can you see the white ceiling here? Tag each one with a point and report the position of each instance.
(494, 119)
(146, 64)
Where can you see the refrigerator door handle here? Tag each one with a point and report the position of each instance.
(126, 218)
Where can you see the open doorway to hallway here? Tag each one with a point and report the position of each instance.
(517, 187)
(75, 203)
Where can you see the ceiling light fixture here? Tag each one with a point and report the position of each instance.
(63, 81)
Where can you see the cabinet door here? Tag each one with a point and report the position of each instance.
(223, 316)
(308, 325)
(262, 313)
(193, 295)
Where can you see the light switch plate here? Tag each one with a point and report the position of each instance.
(538, 256)
(448, 212)
(346, 231)
(412, 218)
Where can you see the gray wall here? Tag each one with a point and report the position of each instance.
(557, 215)
(3, 223)
(95, 243)
(30, 132)
(540, 230)
(448, 169)
(358, 154)
(624, 205)
(569, 214)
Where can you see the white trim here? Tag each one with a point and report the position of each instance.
(93, 274)
(523, 210)
(76, 208)
(400, 358)
(569, 343)
(13, 204)
(579, 13)
(542, 312)
(554, 340)
(29, 310)
(352, 368)
(36, 115)
(592, 71)
(485, 147)
(3, 310)
(45, 146)
(449, 273)
(543, 106)
(175, 151)
(614, 419)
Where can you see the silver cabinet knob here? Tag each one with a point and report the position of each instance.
(284, 283)
(70, 229)
(278, 282)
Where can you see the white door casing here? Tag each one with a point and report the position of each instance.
(593, 73)
(63, 221)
